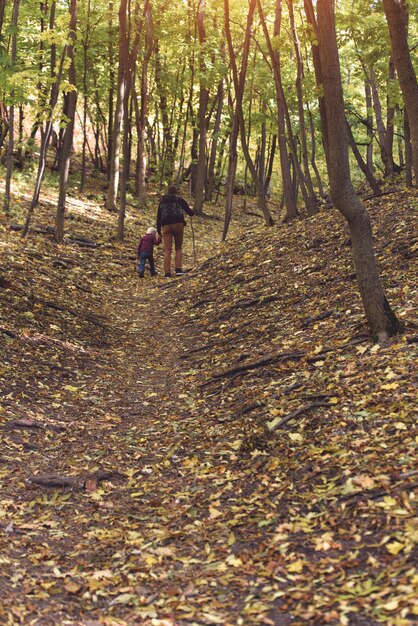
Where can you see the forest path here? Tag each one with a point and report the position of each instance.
(137, 547)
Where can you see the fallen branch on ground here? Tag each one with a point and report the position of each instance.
(22, 423)
(81, 482)
(316, 318)
(266, 360)
(302, 409)
(9, 333)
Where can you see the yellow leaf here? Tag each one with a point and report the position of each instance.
(362, 349)
(395, 547)
(296, 566)
(214, 513)
(231, 539)
(233, 560)
(295, 437)
(151, 560)
(388, 386)
(392, 605)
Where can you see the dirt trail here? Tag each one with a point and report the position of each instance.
(134, 545)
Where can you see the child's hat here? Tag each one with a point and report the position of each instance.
(151, 231)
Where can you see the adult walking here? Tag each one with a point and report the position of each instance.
(170, 224)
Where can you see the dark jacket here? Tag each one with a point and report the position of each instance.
(147, 243)
(161, 221)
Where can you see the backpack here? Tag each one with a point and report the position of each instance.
(171, 212)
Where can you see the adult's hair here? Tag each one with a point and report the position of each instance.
(172, 190)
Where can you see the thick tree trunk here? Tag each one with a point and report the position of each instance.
(382, 321)
(117, 126)
(10, 144)
(397, 19)
(69, 130)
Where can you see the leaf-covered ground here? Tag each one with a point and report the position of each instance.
(223, 448)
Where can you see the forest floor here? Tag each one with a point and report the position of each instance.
(227, 447)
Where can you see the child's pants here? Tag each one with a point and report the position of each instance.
(143, 258)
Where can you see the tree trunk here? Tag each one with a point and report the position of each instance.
(69, 130)
(111, 90)
(312, 204)
(232, 168)
(117, 126)
(270, 164)
(382, 321)
(55, 83)
(2, 7)
(10, 144)
(381, 130)
(20, 154)
(201, 175)
(287, 187)
(397, 19)
(390, 114)
(85, 44)
(125, 158)
(167, 165)
(313, 155)
(239, 82)
(370, 134)
(408, 151)
(215, 138)
(310, 16)
(363, 166)
(143, 110)
(127, 118)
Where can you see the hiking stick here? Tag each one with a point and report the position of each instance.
(194, 243)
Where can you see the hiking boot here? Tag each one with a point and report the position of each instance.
(179, 271)
(141, 274)
(167, 275)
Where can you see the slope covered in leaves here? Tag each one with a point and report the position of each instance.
(223, 448)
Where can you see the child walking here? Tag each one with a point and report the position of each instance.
(145, 251)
